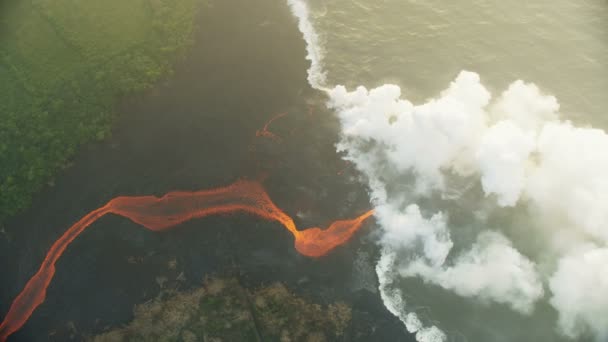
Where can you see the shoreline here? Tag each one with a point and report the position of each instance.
(168, 140)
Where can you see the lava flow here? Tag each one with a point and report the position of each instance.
(264, 132)
(159, 214)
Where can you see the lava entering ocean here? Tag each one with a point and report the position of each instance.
(162, 213)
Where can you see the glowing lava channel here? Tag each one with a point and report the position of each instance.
(159, 214)
(265, 132)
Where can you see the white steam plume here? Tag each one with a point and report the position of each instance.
(580, 287)
(571, 180)
(491, 270)
(517, 149)
(519, 153)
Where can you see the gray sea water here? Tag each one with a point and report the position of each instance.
(562, 46)
(421, 46)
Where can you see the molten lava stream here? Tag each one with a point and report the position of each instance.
(265, 132)
(159, 214)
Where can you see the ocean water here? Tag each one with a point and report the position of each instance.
(561, 46)
(477, 127)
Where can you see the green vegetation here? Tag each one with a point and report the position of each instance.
(222, 310)
(63, 66)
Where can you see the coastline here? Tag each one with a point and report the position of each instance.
(168, 140)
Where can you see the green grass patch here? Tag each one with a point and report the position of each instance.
(63, 65)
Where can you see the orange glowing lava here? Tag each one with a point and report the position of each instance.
(162, 213)
(264, 132)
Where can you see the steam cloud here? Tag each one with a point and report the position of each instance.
(420, 162)
(580, 287)
(519, 151)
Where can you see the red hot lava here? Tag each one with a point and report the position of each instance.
(166, 212)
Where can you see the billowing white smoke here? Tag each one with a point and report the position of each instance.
(518, 150)
(416, 157)
(491, 270)
(502, 152)
(446, 129)
(580, 288)
(571, 181)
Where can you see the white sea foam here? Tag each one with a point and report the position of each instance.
(395, 304)
(314, 50)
